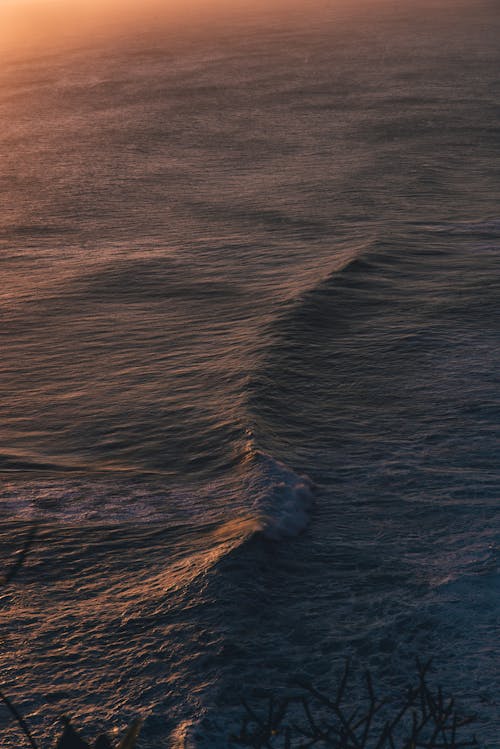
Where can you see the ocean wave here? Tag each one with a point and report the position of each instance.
(278, 499)
(483, 228)
(369, 274)
(281, 498)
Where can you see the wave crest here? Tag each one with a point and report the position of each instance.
(282, 499)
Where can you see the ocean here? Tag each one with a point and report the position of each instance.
(250, 365)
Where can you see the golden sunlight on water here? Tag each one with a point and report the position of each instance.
(29, 24)
(32, 26)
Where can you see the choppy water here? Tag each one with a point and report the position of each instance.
(250, 366)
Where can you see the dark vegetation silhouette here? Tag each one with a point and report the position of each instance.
(69, 738)
(423, 719)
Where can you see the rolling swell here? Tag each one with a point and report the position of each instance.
(331, 353)
(314, 335)
(361, 279)
(380, 382)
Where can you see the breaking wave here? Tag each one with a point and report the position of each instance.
(281, 498)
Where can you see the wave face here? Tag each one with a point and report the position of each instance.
(249, 374)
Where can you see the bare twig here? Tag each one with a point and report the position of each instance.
(21, 556)
(425, 720)
(20, 720)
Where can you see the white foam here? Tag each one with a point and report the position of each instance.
(282, 498)
(279, 499)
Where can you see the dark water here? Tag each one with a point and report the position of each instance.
(250, 366)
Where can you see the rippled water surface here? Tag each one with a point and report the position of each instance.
(250, 365)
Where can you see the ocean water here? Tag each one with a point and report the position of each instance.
(249, 372)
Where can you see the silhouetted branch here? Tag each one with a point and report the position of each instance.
(70, 738)
(20, 720)
(425, 720)
(21, 556)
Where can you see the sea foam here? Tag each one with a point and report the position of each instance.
(282, 498)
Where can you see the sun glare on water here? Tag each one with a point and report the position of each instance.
(27, 26)
(31, 25)
(56, 22)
